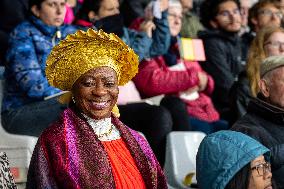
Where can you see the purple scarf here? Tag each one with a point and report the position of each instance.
(69, 155)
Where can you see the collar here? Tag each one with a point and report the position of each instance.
(103, 128)
(44, 28)
(266, 110)
(232, 37)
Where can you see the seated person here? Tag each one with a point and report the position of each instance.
(222, 48)
(232, 160)
(266, 43)
(89, 147)
(264, 118)
(24, 110)
(169, 74)
(264, 13)
(152, 41)
(191, 24)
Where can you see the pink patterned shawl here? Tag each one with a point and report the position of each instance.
(69, 155)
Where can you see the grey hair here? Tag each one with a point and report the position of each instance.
(175, 3)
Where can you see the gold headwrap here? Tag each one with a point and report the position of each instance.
(83, 51)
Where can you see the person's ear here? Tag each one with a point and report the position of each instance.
(35, 10)
(264, 88)
(213, 24)
(92, 16)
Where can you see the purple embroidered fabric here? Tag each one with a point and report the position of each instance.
(69, 155)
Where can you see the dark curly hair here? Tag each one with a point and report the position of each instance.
(209, 10)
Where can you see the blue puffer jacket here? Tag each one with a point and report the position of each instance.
(146, 47)
(222, 154)
(29, 45)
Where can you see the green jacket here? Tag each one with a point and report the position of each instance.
(190, 25)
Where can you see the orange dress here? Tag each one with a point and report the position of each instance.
(124, 169)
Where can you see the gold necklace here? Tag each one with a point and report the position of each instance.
(106, 134)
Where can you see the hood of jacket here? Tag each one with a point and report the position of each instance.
(222, 154)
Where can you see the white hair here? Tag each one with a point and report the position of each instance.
(175, 3)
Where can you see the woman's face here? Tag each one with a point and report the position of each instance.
(174, 19)
(108, 8)
(95, 92)
(275, 44)
(51, 12)
(260, 174)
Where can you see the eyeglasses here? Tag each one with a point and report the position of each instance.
(262, 168)
(227, 13)
(175, 15)
(275, 44)
(269, 13)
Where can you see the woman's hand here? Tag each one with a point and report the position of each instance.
(203, 80)
(148, 27)
(164, 5)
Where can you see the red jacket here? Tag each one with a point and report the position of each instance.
(155, 78)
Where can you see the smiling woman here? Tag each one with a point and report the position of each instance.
(96, 92)
(88, 147)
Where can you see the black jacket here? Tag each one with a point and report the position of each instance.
(239, 97)
(247, 39)
(265, 123)
(224, 63)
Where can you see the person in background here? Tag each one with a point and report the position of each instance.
(24, 110)
(176, 107)
(190, 22)
(171, 75)
(245, 6)
(88, 146)
(281, 6)
(222, 44)
(232, 160)
(266, 43)
(151, 41)
(262, 14)
(264, 118)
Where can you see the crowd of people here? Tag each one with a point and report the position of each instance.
(78, 74)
